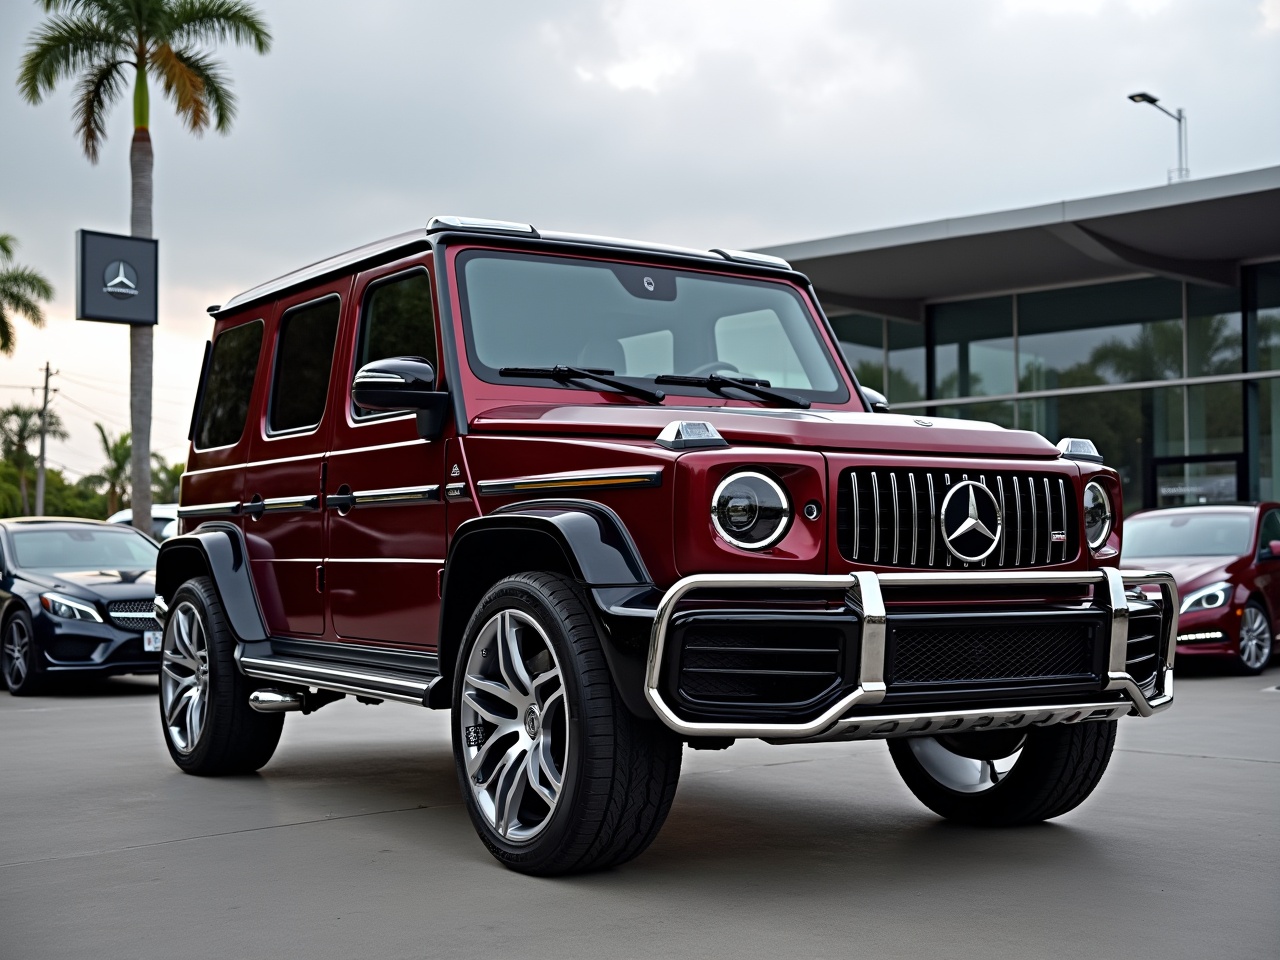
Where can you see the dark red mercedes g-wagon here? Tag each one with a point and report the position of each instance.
(602, 499)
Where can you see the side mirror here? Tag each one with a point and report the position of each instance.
(879, 402)
(402, 383)
(1272, 550)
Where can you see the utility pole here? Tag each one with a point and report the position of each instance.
(44, 420)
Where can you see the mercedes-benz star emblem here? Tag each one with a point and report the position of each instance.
(120, 280)
(970, 521)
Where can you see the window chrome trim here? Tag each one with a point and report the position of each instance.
(387, 497)
(229, 508)
(864, 588)
(290, 504)
(596, 480)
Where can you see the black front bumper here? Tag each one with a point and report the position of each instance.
(83, 647)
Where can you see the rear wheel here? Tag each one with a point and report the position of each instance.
(1255, 639)
(1006, 778)
(558, 776)
(20, 658)
(209, 727)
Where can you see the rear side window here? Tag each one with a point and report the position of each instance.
(304, 356)
(397, 321)
(224, 405)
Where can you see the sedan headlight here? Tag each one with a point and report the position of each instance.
(1098, 515)
(67, 608)
(750, 510)
(1206, 598)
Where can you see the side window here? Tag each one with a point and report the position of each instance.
(304, 356)
(1270, 529)
(397, 321)
(224, 405)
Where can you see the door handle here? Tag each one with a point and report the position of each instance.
(342, 501)
(254, 507)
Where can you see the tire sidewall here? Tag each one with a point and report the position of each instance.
(521, 595)
(35, 674)
(200, 595)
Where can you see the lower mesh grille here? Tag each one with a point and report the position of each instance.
(133, 614)
(925, 653)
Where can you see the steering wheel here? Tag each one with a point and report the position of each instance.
(706, 369)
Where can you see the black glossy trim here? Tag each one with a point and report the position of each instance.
(598, 540)
(411, 664)
(448, 343)
(218, 550)
(204, 376)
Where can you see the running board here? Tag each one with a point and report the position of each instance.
(343, 678)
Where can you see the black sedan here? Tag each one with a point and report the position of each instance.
(76, 599)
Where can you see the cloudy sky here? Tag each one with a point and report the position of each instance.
(733, 123)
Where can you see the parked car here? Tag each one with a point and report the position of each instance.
(76, 599)
(1226, 560)
(602, 499)
(164, 518)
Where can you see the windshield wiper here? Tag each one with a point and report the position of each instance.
(567, 375)
(750, 385)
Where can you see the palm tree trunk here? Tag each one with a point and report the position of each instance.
(141, 339)
(22, 488)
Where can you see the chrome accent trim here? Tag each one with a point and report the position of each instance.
(290, 504)
(1003, 540)
(396, 496)
(343, 680)
(865, 588)
(778, 531)
(857, 516)
(597, 480)
(1031, 492)
(933, 511)
(275, 701)
(915, 517)
(162, 608)
(375, 376)
(875, 515)
(1048, 523)
(1062, 498)
(436, 224)
(897, 518)
(455, 491)
(229, 508)
(748, 256)
(1017, 506)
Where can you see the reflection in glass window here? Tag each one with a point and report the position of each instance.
(1107, 333)
(757, 342)
(862, 340)
(973, 353)
(397, 321)
(1213, 331)
(304, 356)
(1186, 533)
(999, 412)
(906, 362)
(224, 405)
(1264, 396)
(1264, 320)
(1214, 423)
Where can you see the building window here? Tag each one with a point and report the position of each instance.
(973, 348)
(905, 367)
(1264, 317)
(861, 338)
(1214, 331)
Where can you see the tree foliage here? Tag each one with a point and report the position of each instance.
(22, 290)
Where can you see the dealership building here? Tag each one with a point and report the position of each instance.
(1148, 322)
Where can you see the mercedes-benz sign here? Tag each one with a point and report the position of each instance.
(970, 521)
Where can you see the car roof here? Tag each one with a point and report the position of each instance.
(1204, 508)
(54, 522)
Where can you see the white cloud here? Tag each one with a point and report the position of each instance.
(1270, 10)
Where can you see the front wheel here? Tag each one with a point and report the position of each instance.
(557, 775)
(1255, 639)
(1006, 778)
(20, 657)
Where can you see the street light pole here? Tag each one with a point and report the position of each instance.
(1181, 171)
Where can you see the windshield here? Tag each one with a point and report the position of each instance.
(1187, 535)
(639, 322)
(87, 548)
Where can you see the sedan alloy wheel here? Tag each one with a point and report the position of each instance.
(1255, 639)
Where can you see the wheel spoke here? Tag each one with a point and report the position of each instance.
(173, 657)
(195, 718)
(475, 763)
(485, 686)
(177, 705)
(546, 768)
(510, 662)
(182, 680)
(510, 781)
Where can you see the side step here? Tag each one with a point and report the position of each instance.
(343, 678)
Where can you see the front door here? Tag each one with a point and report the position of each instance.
(386, 514)
(283, 491)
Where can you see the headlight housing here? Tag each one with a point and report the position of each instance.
(68, 608)
(1212, 597)
(750, 510)
(1099, 515)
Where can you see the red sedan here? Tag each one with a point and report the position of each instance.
(1226, 560)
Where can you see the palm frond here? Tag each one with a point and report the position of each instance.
(97, 91)
(215, 91)
(8, 244)
(217, 21)
(183, 86)
(65, 46)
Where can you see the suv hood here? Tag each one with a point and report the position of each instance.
(813, 429)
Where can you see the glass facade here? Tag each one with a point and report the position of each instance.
(1177, 383)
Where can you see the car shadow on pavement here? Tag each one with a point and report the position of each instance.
(82, 688)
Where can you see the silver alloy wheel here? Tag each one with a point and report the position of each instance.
(515, 726)
(1255, 638)
(184, 678)
(17, 652)
(960, 773)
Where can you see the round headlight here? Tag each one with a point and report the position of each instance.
(750, 510)
(1097, 515)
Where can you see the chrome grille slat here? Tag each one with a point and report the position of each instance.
(870, 527)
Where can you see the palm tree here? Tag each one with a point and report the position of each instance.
(19, 428)
(167, 477)
(96, 42)
(21, 290)
(115, 474)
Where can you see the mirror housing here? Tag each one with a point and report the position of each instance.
(1272, 550)
(402, 383)
(878, 402)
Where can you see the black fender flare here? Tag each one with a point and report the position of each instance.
(215, 549)
(583, 539)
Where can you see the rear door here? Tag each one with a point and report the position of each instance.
(283, 492)
(386, 514)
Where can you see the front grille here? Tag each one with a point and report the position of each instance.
(889, 517)
(135, 615)
(951, 653)
(779, 664)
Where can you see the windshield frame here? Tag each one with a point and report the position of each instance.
(842, 395)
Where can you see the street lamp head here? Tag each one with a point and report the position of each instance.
(1143, 98)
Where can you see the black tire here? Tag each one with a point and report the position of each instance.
(20, 659)
(231, 737)
(1257, 640)
(1057, 768)
(618, 773)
